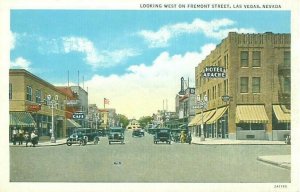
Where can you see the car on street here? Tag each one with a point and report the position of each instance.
(116, 134)
(138, 132)
(162, 135)
(92, 135)
(77, 138)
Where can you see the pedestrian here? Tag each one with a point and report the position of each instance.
(34, 138)
(27, 138)
(14, 135)
(21, 136)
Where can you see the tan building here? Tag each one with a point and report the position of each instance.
(28, 104)
(257, 84)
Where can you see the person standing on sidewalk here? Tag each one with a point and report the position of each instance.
(14, 135)
(34, 138)
(27, 138)
(21, 136)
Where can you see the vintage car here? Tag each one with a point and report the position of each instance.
(92, 135)
(175, 135)
(116, 134)
(77, 138)
(162, 135)
(138, 132)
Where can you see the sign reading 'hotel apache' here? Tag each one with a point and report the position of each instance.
(214, 72)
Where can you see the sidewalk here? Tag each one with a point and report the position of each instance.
(210, 141)
(42, 143)
(283, 161)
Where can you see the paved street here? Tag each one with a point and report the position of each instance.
(139, 160)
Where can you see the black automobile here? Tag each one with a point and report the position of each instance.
(92, 135)
(138, 133)
(162, 135)
(175, 135)
(116, 134)
(77, 138)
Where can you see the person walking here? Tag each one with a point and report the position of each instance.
(27, 138)
(21, 136)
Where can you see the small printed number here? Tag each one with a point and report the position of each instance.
(280, 186)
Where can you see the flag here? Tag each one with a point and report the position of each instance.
(106, 101)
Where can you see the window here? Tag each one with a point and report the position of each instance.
(287, 85)
(10, 91)
(287, 58)
(244, 58)
(38, 95)
(256, 59)
(29, 93)
(244, 85)
(255, 84)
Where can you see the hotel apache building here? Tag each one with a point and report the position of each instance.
(247, 83)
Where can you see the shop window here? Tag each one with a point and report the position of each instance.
(255, 84)
(244, 59)
(244, 84)
(256, 59)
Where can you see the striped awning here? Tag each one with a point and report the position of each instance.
(195, 120)
(72, 124)
(251, 114)
(21, 119)
(219, 113)
(282, 117)
(206, 116)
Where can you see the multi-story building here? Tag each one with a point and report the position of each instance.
(82, 96)
(253, 100)
(30, 104)
(94, 116)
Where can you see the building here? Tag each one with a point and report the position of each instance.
(94, 116)
(248, 89)
(82, 96)
(184, 103)
(30, 104)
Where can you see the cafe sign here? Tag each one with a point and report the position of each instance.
(214, 72)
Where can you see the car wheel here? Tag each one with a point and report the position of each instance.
(96, 140)
(69, 143)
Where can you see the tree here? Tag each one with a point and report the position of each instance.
(123, 120)
(145, 120)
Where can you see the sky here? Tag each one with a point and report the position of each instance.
(135, 58)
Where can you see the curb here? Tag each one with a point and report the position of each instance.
(279, 164)
(236, 143)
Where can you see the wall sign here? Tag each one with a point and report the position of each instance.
(214, 72)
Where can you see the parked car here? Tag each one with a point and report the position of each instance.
(92, 135)
(162, 135)
(138, 132)
(116, 134)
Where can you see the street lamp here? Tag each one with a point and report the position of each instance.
(52, 102)
(203, 105)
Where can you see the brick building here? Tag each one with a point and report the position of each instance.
(257, 86)
(27, 104)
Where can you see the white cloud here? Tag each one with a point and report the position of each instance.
(142, 90)
(21, 63)
(12, 37)
(93, 56)
(218, 29)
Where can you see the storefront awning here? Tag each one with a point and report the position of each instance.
(21, 119)
(282, 117)
(251, 114)
(206, 116)
(72, 124)
(195, 120)
(219, 113)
